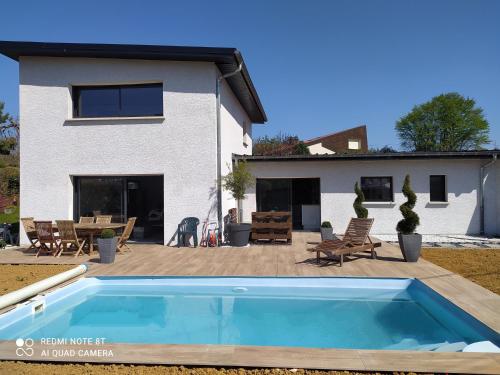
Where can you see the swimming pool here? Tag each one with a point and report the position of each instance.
(349, 313)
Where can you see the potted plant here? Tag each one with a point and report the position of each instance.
(361, 211)
(326, 231)
(107, 245)
(237, 182)
(409, 241)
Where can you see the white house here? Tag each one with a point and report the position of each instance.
(146, 131)
(130, 130)
(450, 187)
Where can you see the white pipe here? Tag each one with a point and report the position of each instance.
(40, 286)
(219, 139)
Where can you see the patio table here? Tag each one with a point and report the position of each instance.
(91, 229)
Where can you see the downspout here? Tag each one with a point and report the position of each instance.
(481, 192)
(219, 161)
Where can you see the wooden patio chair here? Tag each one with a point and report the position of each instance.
(356, 239)
(122, 241)
(46, 237)
(69, 240)
(103, 219)
(29, 228)
(86, 220)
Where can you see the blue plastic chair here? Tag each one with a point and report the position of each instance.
(187, 228)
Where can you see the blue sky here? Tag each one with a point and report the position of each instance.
(319, 66)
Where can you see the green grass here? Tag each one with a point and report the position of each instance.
(10, 218)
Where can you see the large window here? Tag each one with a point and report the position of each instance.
(377, 189)
(437, 188)
(118, 100)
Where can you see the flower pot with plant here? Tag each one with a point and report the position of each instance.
(237, 182)
(409, 241)
(326, 231)
(107, 245)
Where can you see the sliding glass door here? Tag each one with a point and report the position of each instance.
(101, 196)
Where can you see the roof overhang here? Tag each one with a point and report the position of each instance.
(226, 59)
(486, 154)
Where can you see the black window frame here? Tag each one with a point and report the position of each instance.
(76, 90)
(444, 189)
(369, 199)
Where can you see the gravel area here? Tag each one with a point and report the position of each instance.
(450, 241)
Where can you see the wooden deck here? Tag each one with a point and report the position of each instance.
(287, 260)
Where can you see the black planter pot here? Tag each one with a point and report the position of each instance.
(326, 233)
(410, 245)
(239, 234)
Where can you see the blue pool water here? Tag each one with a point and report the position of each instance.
(353, 313)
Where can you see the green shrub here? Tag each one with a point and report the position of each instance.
(411, 219)
(326, 224)
(108, 233)
(361, 211)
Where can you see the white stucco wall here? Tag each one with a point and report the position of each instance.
(318, 148)
(181, 146)
(459, 216)
(234, 120)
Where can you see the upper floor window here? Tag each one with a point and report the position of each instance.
(354, 144)
(118, 100)
(377, 189)
(437, 188)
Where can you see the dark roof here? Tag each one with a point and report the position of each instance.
(226, 59)
(486, 154)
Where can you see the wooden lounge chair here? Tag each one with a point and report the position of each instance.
(86, 220)
(103, 219)
(29, 228)
(356, 239)
(122, 241)
(69, 241)
(48, 241)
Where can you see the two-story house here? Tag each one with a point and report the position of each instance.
(130, 130)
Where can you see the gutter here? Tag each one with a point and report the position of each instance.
(219, 146)
(482, 177)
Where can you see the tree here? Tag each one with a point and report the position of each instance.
(382, 150)
(410, 218)
(361, 211)
(237, 182)
(280, 144)
(449, 122)
(9, 127)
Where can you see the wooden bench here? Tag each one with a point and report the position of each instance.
(272, 226)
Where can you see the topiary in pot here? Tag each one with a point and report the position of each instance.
(107, 242)
(326, 231)
(409, 241)
(361, 211)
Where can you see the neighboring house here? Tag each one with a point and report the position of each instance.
(457, 192)
(130, 130)
(345, 141)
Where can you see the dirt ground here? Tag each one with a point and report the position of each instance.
(479, 265)
(13, 276)
(22, 368)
